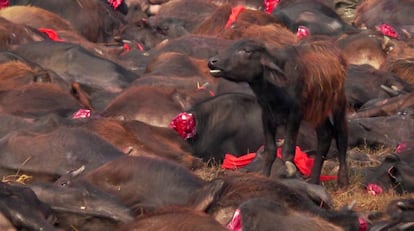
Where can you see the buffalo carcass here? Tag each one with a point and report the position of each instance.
(136, 138)
(264, 214)
(382, 130)
(39, 99)
(100, 77)
(45, 152)
(364, 84)
(392, 15)
(292, 84)
(13, 34)
(24, 210)
(57, 28)
(145, 184)
(213, 135)
(317, 17)
(292, 195)
(153, 105)
(399, 216)
(93, 19)
(82, 206)
(174, 219)
(179, 17)
(249, 23)
(394, 173)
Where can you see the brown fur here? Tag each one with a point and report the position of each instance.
(144, 183)
(404, 68)
(35, 17)
(38, 99)
(365, 47)
(262, 214)
(174, 219)
(371, 13)
(191, 13)
(324, 77)
(91, 18)
(135, 143)
(240, 187)
(12, 34)
(15, 74)
(272, 34)
(153, 105)
(215, 24)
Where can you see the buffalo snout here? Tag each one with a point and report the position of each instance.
(212, 64)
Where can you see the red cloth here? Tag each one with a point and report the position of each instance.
(302, 162)
(234, 14)
(51, 34)
(4, 3)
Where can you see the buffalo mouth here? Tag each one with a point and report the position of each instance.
(216, 72)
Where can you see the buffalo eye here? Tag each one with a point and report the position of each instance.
(245, 52)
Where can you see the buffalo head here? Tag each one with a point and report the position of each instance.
(245, 61)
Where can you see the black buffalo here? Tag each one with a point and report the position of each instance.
(292, 84)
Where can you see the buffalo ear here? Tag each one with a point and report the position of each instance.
(273, 73)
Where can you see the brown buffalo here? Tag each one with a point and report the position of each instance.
(292, 84)
(248, 24)
(293, 196)
(12, 35)
(393, 18)
(402, 67)
(318, 17)
(46, 152)
(16, 74)
(35, 17)
(136, 138)
(197, 46)
(39, 99)
(145, 184)
(365, 47)
(82, 206)
(100, 78)
(174, 219)
(93, 19)
(153, 105)
(264, 214)
(177, 18)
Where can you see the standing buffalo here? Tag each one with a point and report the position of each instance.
(292, 84)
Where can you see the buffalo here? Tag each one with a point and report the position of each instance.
(292, 84)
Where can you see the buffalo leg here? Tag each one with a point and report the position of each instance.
(292, 129)
(269, 153)
(341, 137)
(324, 135)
